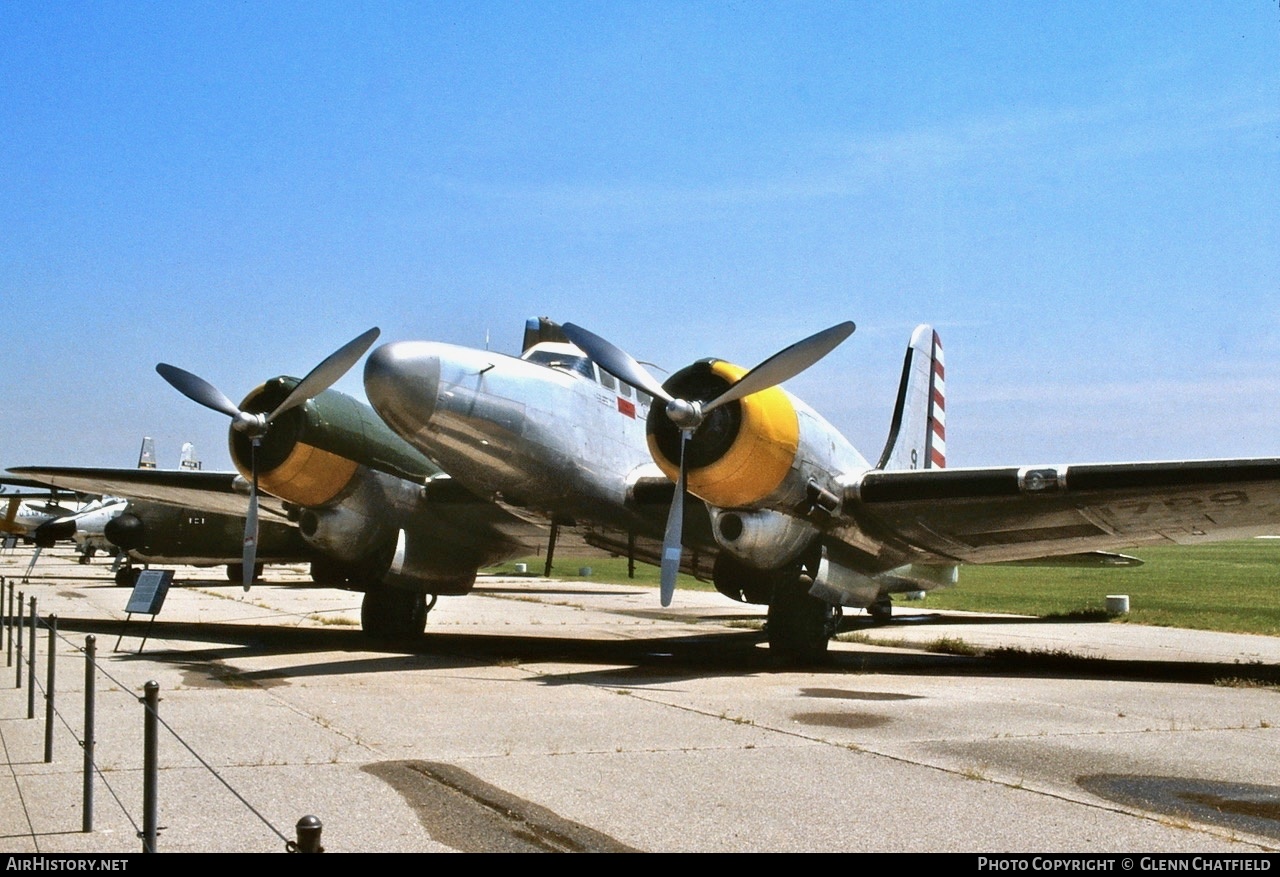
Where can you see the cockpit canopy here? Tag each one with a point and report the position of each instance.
(567, 358)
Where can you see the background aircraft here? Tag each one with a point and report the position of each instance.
(793, 515)
(24, 513)
(154, 533)
(36, 519)
(87, 526)
(83, 527)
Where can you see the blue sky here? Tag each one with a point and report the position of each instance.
(1083, 198)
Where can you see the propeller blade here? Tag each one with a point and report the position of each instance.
(326, 374)
(249, 558)
(197, 389)
(671, 544)
(784, 365)
(615, 361)
(319, 379)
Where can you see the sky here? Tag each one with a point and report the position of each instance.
(1083, 198)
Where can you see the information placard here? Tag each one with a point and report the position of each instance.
(149, 591)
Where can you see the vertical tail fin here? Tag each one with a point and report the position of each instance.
(917, 437)
(147, 456)
(188, 460)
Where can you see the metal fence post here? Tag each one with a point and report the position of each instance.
(48, 689)
(31, 665)
(308, 832)
(150, 767)
(18, 620)
(90, 653)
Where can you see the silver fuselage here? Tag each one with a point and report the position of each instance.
(544, 438)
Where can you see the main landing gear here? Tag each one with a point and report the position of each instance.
(800, 624)
(390, 614)
(235, 572)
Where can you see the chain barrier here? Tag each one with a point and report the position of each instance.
(308, 829)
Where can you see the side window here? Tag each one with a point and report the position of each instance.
(625, 389)
(608, 380)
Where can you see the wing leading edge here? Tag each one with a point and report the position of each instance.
(1009, 514)
(219, 492)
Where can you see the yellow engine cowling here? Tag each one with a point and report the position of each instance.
(291, 465)
(767, 450)
(742, 452)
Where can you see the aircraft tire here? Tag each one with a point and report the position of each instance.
(127, 577)
(881, 611)
(391, 614)
(799, 625)
(329, 573)
(235, 572)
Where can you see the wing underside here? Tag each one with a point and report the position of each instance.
(219, 492)
(1011, 514)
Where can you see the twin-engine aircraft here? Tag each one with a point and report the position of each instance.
(790, 514)
(475, 457)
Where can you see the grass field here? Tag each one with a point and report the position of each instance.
(1228, 586)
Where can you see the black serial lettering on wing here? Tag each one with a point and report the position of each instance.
(1138, 508)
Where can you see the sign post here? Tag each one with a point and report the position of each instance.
(147, 597)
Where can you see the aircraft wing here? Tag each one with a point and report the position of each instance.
(6, 483)
(220, 492)
(1009, 514)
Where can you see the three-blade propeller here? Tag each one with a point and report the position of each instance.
(688, 414)
(255, 425)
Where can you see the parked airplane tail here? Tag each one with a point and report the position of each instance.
(188, 460)
(147, 455)
(11, 513)
(917, 437)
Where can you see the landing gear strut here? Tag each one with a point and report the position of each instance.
(799, 624)
(881, 611)
(390, 614)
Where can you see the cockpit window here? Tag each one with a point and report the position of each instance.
(609, 381)
(579, 365)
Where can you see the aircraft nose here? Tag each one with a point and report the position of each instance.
(125, 531)
(401, 380)
(50, 532)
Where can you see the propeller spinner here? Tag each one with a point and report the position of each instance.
(255, 425)
(689, 414)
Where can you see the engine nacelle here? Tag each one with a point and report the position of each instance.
(416, 563)
(763, 538)
(839, 583)
(767, 450)
(346, 533)
(308, 455)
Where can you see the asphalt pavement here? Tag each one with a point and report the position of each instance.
(570, 714)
